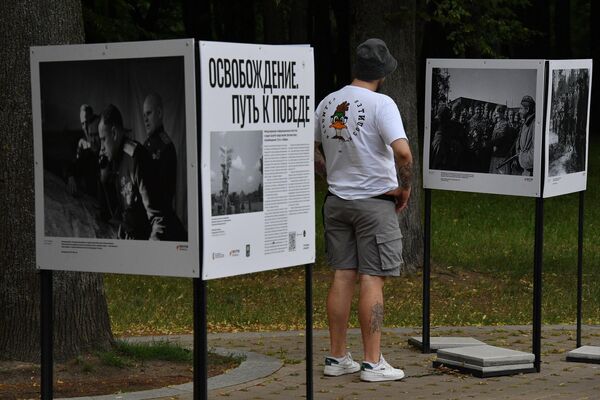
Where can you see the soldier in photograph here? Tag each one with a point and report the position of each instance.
(502, 140)
(448, 144)
(476, 142)
(127, 166)
(82, 174)
(456, 111)
(161, 149)
(525, 145)
(511, 118)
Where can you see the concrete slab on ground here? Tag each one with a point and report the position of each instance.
(444, 342)
(589, 354)
(486, 356)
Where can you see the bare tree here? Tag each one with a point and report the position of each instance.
(81, 316)
(394, 22)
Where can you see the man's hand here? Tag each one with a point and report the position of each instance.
(402, 195)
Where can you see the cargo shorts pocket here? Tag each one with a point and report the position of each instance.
(389, 245)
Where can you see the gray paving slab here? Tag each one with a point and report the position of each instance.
(496, 368)
(486, 356)
(444, 342)
(585, 354)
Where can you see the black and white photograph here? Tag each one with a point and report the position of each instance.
(483, 120)
(568, 121)
(114, 148)
(567, 126)
(236, 172)
(113, 130)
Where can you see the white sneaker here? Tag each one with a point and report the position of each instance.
(340, 366)
(382, 371)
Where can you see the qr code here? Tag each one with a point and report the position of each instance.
(292, 241)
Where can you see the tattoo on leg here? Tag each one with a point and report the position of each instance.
(376, 318)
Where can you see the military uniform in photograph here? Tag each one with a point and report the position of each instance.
(138, 195)
(164, 163)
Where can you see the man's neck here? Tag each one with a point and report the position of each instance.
(157, 131)
(370, 85)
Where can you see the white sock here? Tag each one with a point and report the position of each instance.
(338, 359)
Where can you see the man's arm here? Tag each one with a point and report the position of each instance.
(404, 165)
(320, 165)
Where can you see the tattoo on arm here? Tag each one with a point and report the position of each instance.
(377, 318)
(405, 173)
(320, 165)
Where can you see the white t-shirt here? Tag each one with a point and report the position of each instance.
(356, 127)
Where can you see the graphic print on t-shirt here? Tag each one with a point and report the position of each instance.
(343, 131)
(338, 122)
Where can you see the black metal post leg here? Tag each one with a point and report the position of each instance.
(580, 268)
(200, 341)
(537, 281)
(47, 334)
(309, 331)
(427, 274)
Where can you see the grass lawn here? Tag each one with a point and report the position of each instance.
(482, 256)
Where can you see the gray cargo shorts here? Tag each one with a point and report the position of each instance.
(363, 234)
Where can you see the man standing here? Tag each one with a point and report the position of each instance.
(83, 173)
(361, 227)
(503, 138)
(130, 171)
(526, 135)
(160, 147)
(164, 162)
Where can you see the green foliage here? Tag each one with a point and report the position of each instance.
(132, 20)
(479, 28)
(161, 350)
(125, 354)
(112, 359)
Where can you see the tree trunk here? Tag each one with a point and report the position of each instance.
(321, 39)
(81, 316)
(562, 29)
(393, 21)
(273, 22)
(298, 21)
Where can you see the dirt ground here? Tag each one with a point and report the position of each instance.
(88, 376)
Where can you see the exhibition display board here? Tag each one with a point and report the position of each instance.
(464, 149)
(116, 168)
(567, 126)
(512, 127)
(257, 106)
(118, 196)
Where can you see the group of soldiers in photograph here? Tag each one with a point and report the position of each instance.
(134, 184)
(483, 137)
